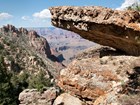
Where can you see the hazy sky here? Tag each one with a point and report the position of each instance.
(35, 13)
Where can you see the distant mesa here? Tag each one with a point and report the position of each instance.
(114, 28)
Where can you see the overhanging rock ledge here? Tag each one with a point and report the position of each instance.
(114, 28)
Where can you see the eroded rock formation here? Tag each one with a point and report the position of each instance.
(34, 97)
(35, 45)
(39, 43)
(117, 29)
(103, 76)
(102, 80)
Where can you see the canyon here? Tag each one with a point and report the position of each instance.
(65, 45)
(52, 66)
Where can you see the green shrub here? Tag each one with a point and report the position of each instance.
(1, 46)
(11, 83)
(39, 81)
(6, 87)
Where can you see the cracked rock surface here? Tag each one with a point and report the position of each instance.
(117, 29)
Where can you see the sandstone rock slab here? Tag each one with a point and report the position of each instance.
(114, 28)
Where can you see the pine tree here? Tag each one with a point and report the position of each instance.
(6, 87)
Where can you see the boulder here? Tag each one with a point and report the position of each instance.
(114, 28)
(34, 97)
(67, 99)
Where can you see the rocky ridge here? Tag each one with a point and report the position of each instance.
(117, 29)
(34, 46)
(39, 43)
(63, 42)
(102, 76)
(34, 97)
(95, 77)
(26, 62)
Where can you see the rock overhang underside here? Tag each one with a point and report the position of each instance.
(114, 28)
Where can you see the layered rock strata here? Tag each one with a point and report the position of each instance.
(117, 29)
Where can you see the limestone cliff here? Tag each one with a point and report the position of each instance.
(117, 29)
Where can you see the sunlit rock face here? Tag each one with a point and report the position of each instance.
(102, 76)
(114, 28)
(39, 43)
(105, 80)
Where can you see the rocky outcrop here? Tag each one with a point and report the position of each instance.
(39, 43)
(98, 52)
(117, 29)
(102, 80)
(34, 97)
(29, 50)
(103, 75)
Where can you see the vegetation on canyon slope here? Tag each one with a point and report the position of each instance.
(11, 84)
(20, 68)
